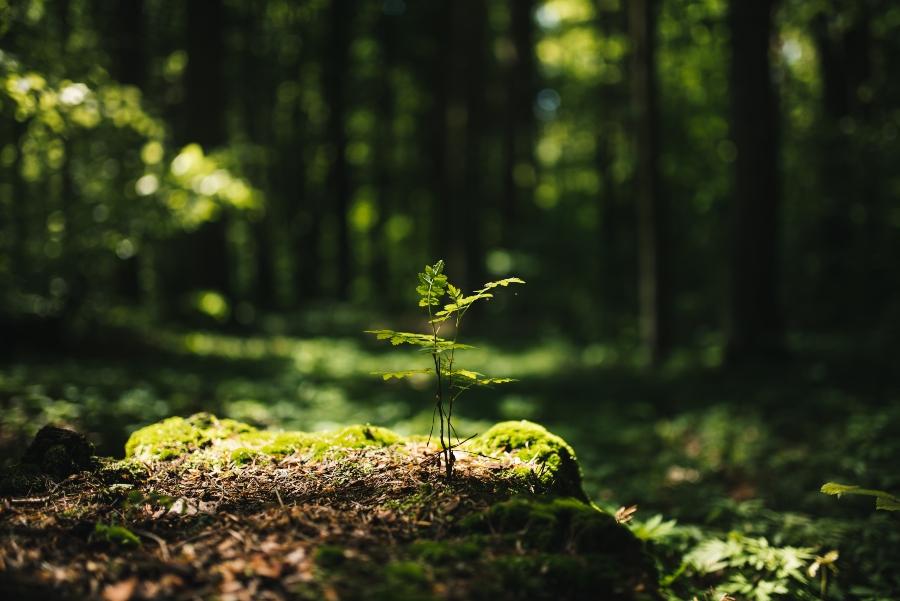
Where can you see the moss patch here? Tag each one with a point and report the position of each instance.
(539, 453)
(225, 440)
(177, 436)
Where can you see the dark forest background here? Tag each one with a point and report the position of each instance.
(203, 203)
(706, 175)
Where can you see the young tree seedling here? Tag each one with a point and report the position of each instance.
(434, 290)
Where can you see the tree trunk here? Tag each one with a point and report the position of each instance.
(384, 149)
(129, 60)
(201, 257)
(129, 66)
(471, 203)
(441, 215)
(519, 130)
(615, 282)
(336, 74)
(756, 328)
(653, 293)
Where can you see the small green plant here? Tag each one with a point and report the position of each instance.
(883, 500)
(435, 290)
(115, 534)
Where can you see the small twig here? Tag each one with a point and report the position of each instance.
(476, 453)
(163, 548)
(283, 508)
(30, 500)
(193, 538)
(430, 456)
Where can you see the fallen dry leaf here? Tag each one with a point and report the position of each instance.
(120, 591)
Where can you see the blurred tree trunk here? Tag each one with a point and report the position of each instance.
(77, 282)
(255, 94)
(199, 259)
(204, 77)
(756, 326)
(615, 287)
(470, 206)
(307, 215)
(384, 152)
(441, 85)
(336, 72)
(125, 39)
(653, 287)
(20, 258)
(843, 43)
(519, 130)
(460, 108)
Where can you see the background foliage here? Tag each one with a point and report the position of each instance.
(203, 203)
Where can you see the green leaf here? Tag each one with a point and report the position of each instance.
(504, 282)
(473, 378)
(398, 338)
(399, 375)
(883, 500)
(432, 285)
(833, 488)
(443, 346)
(112, 533)
(887, 503)
(461, 304)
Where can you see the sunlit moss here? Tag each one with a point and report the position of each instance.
(177, 436)
(539, 452)
(234, 441)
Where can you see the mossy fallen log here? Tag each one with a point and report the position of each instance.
(356, 513)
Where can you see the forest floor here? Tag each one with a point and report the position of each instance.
(725, 465)
(367, 516)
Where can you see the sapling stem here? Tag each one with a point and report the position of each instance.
(432, 288)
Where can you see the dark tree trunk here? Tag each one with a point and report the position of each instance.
(471, 203)
(21, 260)
(129, 61)
(255, 93)
(615, 285)
(129, 66)
(441, 84)
(384, 143)
(201, 257)
(336, 74)
(519, 127)
(756, 325)
(843, 41)
(459, 119)
(653, 293)
(204, 80)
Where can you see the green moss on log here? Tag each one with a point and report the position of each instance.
(539, 452)
(219, 440)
